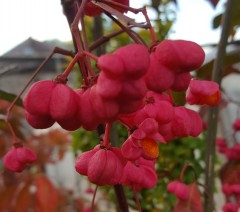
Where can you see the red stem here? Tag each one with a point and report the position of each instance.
(170, 94)
(133, 10)
(153, 36)
(106, 138)
(184, 169)
(124, 123)
(78, 40)
(86, 47)
(14, 140)
(94, 57)
(93, 199)
(135, 39)
(71, 65)
(182, 172)
(137, 201)
(105, 39)
(74, 26)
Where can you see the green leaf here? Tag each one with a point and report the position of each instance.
(217, 21)
(10, 97)
(235, 20)
(205, 72)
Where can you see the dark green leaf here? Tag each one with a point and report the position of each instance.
(217, 21)
(10, 97)
(205, 72)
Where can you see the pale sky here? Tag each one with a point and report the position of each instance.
(43, 20)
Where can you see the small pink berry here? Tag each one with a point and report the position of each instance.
(140, 174)
(203, 92)
(181, 190)
(16, 159)
(103, 166)
(230, 207)
(236, 125)
(227, 189)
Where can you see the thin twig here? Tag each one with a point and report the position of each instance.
(137, 201)
(73, 13)
(131, 35)
(93, 198)
(54, 51)
(86, 48)
(106, 38)
(213, 111)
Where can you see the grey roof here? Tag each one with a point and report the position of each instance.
(30, 48)
(28, 55)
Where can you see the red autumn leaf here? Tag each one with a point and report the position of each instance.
(230, 172)
(24, 199)
(193, 204)
(47, 197)
(6, 198)
(2, 145)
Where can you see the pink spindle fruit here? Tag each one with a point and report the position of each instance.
(111, 65)
(181, 81)
(181, 190)
(135, 58)
(236, 125)
(37, 100)
(48, 101)
(182, 124)
(230, 207)
(139, 174)
(18, 157)
(203, 92)
(180, 55)
(39, 122)
(171, 63)
(102, 166)
(158, 77)
(89, 119)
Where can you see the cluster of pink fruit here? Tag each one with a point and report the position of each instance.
(231, 187)
(134, 87)
(232, 153)
(231, 191)
(18, 158)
